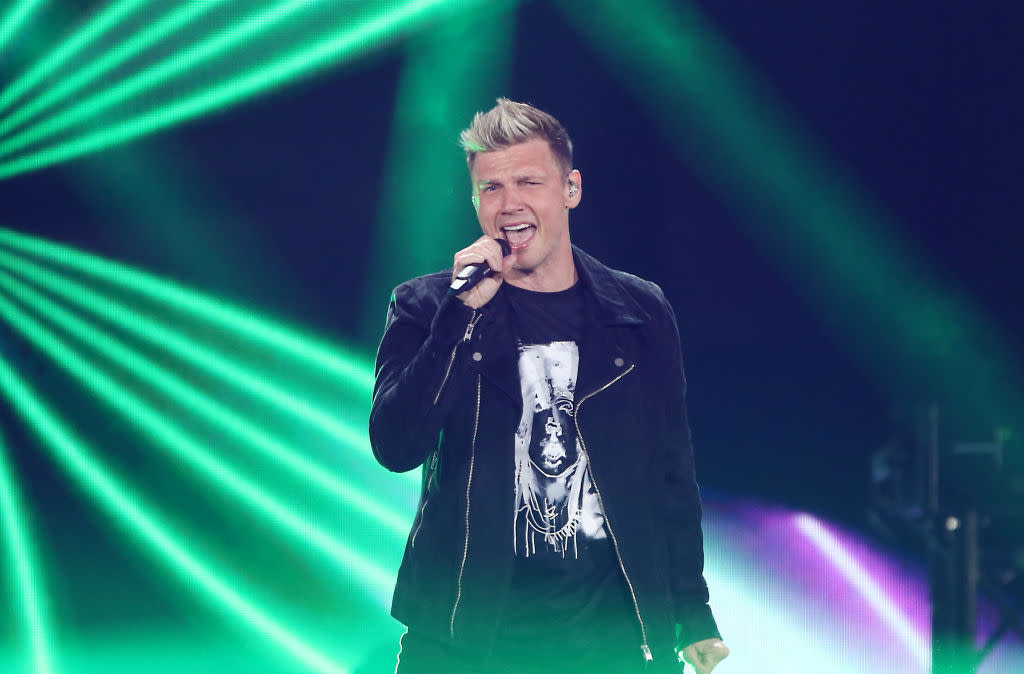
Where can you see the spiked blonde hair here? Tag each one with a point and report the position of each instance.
(509, 123)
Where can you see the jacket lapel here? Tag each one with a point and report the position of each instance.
(602, 360)
(605, 352)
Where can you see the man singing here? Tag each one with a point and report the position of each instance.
(558, 528)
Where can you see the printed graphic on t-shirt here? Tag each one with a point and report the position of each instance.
(555, 497)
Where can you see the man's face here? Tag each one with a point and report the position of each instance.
(522, 196)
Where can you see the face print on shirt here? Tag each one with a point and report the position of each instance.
(554, 495)
(553, 446)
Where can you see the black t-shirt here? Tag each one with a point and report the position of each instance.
(569, 602)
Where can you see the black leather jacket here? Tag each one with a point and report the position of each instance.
(448, 397)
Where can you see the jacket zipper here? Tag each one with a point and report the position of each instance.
(433, 461)
(465, 338)
(469, 483)
(615, 542)
(426, 497)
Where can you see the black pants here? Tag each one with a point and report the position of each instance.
(426, 655)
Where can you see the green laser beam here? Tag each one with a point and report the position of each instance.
(178, 650)
(100, 24)
(120, 53)
(11, 22)
(23, 568)
(180, 64)
(350, 369)
(244, 430)
(197, 574)
(354, 373)
(170, 436)
(299, 62)
(260, 387)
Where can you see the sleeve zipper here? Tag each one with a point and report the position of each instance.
(451, 360)
(426, 497)
(469, 485)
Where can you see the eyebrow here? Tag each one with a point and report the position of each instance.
(524, 176)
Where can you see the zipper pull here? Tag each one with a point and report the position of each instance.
(647, 652)
(469, 328)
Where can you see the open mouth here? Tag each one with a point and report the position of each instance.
(519, 236)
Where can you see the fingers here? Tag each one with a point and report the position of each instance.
(711, 655)
(691, 656)
(705, 655)
(484, 250)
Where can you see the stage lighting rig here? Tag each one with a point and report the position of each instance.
(962, 502)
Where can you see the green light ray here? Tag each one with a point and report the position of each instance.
(180, 64)
(197, 574)
(261, 387)
(23, 568)
(11, 22)
(352, 370)
(338, 45)
(355, 374)
(448, 74)
(120, 53)
(100, 24)
(362, 503)
(176, 651)
(837, 247)
(170, 436)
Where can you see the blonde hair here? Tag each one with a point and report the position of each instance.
(509, 123)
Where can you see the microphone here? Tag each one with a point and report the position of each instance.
(472, 274)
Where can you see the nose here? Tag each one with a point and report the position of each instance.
(511, 200)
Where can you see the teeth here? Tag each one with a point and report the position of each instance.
(516, 228)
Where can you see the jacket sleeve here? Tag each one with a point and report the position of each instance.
(415, 363)
(681, 498)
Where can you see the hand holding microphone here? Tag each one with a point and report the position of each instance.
(477, 271)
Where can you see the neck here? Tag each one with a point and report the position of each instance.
(541, 282)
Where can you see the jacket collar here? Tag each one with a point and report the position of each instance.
(611, 303)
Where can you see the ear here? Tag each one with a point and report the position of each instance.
(573, 189)
(475, 198)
